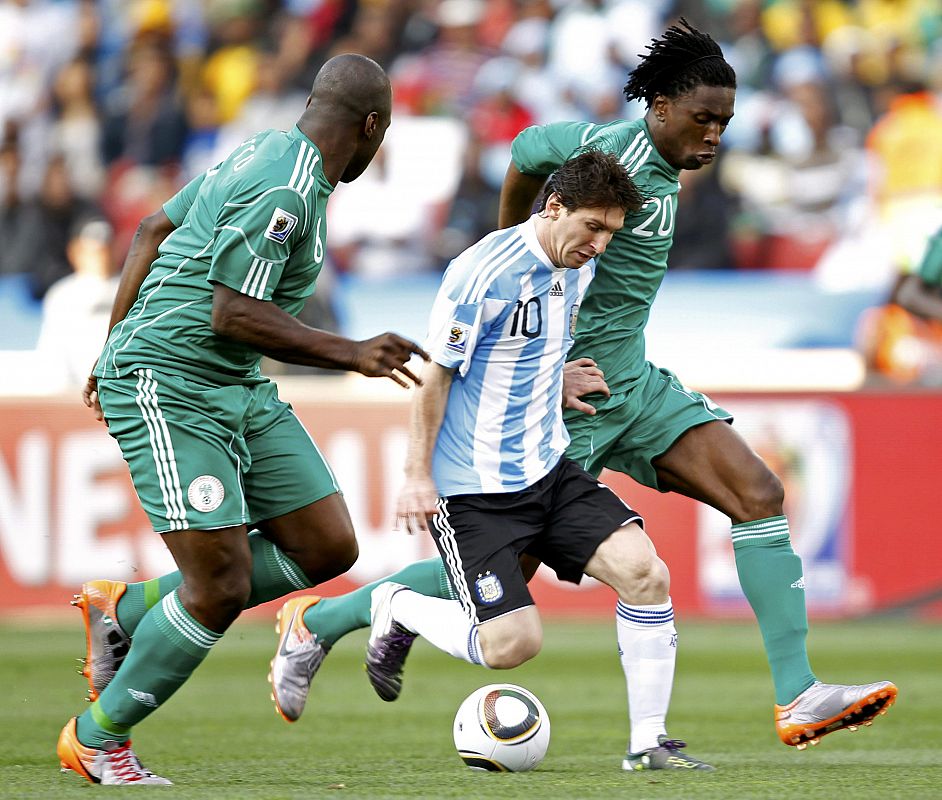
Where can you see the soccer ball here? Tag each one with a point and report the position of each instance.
(502, 728)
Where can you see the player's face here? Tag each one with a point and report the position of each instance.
(687, 129)
(577, 236)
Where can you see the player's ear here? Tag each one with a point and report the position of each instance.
(660, 106)
(553, 206)
(370, 124)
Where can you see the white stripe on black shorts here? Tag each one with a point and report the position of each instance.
(561, 520)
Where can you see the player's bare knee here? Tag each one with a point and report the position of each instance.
(762, 496)
(233, 592)
(337, 557)
(327, 558)
(646, 580)
(510, 653)
(218, 602)
(659, 580)
(351, 554)
(344, 557)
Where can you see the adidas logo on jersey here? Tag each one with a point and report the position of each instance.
(800, 583)
(556, 291)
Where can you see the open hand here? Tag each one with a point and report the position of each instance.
(386, 355)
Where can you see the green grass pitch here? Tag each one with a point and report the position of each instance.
(219, 737)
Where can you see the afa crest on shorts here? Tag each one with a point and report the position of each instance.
(489, 588)
(280, 226)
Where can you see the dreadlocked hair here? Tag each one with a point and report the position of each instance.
(593, 179)
(682, 59)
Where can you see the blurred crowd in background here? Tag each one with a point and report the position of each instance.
(833, 162)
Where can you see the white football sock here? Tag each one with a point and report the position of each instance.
(442, 622)
(647, 642)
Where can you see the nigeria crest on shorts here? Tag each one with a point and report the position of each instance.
(206, 493)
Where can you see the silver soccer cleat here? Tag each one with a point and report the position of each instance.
(825, 707)
(388, 645)
(297, 659)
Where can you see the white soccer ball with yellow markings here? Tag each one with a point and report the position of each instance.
(502, 728)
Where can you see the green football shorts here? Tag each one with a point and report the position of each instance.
(632, 429)
(204, 456)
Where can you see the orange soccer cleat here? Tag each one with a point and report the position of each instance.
(106, 643)
(113, 764)
(824, 708)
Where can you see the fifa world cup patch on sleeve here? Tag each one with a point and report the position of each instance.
(280, 227)
(458, 333)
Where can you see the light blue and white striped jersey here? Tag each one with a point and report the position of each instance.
(504, 318)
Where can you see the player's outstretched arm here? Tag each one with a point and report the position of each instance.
(517, 196)
(265, 327)
(582, 377)
(418, 499)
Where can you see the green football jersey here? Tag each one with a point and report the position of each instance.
(257, 224)
(610, 325)
(177, 206)
(930, 269)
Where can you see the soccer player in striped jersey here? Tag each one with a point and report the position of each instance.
(211, 448)
(653, 428)
(486, 470)
(646, 424)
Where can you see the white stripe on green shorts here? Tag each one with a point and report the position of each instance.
(162, 449)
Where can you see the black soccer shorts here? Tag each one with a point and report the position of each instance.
(561, 520)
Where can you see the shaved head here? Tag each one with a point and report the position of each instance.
(348, 114)
(354, 85)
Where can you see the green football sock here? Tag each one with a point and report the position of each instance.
(273, 575)
(770, 574)
(168, 645)
(139, 598)
(334, 617)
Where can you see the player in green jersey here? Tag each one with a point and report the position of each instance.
(921, 292)
(648, 425)
(653, 428)
(645, 423)
(211, 448)
(902, 338)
